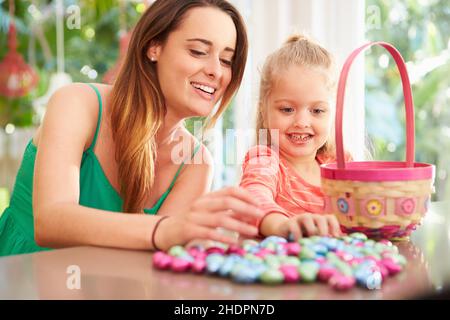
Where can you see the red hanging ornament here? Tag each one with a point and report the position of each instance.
(17, 78)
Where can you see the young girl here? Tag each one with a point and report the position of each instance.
(295, 111)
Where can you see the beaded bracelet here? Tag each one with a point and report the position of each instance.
(154, 232)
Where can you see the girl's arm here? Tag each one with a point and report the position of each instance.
(260, 178)
(272, 224)
(68, 129)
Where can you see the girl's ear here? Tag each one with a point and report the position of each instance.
(154, 51)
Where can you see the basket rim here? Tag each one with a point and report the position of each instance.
(378, 171)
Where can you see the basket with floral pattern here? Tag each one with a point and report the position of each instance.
(383, 199)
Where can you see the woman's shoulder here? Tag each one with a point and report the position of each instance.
(79, 90)
(73, 108)
(78, 98)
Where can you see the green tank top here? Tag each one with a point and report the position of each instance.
(16, 222)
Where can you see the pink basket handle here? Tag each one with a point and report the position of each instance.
(409, 104)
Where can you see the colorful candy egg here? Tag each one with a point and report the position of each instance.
(272, 276)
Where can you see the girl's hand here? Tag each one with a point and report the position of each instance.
(307, 224)
(231, 208)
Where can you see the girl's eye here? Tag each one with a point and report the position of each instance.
(287, 109)
(318, 111)
(197, 53)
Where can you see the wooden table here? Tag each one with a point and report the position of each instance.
(122, 274)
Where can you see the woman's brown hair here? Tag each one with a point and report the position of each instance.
(137, 103)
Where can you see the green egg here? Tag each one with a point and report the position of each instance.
(308, 271)
(315, 238)
(289, 260)
(272, 261)
(305, 241)
(332, 257)
(271, 246)
(343, 267)
(307, 253)
(176, 251)
(272, 276)
(347, 239)
(370, 243)
(359, 236)
(252, 258)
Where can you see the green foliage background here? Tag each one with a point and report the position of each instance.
(420, 30)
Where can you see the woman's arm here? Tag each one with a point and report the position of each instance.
(68, 128)
(195, 180)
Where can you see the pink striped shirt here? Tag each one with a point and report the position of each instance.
(277, 187)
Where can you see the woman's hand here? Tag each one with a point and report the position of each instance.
(307, 224)
(231, 208)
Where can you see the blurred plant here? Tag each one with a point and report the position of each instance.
(89, 51)
(420, 30)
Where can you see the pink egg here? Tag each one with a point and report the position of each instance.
(162, 260)
(264, 252)
(194, 251)
(180, 265)
(340, 282)
(355, 261)
(391, 266)
(201, 255)
(293, 248)
(218, 250)
(290, 273)
(234, 249)
(326, 272)
(321, 260)
(199, 265)
(345, 256)
(383, 270)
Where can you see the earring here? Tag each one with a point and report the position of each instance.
(153, 59)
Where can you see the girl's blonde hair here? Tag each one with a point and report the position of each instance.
(298, 50)
(138, 104)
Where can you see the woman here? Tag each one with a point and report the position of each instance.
(109, 149)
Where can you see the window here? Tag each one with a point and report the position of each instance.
(420, 30)
(338, 25)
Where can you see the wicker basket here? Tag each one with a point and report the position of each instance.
(381, 199)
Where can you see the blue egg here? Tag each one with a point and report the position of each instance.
(214, 262)
(227, 266)
(272, 239)
(244, 274)
(330, 243)
(320, 249)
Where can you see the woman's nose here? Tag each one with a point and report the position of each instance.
(213, 68)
